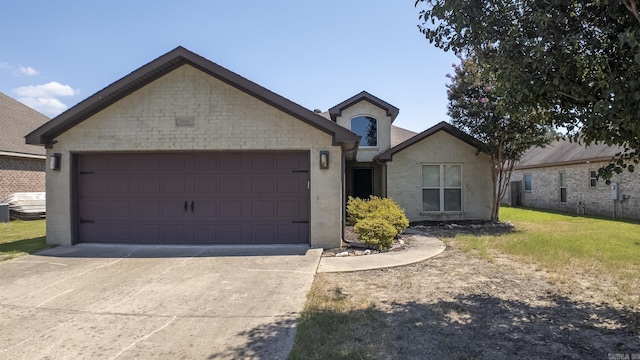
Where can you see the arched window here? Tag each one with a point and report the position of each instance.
(367, 127)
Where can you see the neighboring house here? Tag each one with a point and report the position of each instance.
(185, 151)
(21, 165)
(562, 176)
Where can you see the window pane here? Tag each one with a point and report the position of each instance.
(452, 200)
(563, 195)
(563, 179)
(452, 176)
(527, 182)
(430, 199)
(367, 127)
(431, 176)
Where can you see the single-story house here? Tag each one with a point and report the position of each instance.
(563, 176)
(21, 165)
(184, 151)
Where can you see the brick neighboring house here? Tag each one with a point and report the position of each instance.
(22, 166)
(184, 151)
(562, 176)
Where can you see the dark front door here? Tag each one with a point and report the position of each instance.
(362, 182)
(194, 198)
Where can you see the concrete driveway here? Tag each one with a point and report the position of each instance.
(125, 302)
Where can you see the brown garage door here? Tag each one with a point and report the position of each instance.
(194, 198)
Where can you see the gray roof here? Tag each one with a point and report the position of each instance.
(399, 135)
(16, 121)
(166, 63)
(564, 152)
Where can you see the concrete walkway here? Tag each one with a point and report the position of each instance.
(421, 247)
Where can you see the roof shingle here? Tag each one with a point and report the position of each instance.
(16, 121)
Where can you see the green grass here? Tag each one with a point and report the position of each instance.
(555, 240)
(21, 237)
(568, 247)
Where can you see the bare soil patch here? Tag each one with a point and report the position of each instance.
(456, 306)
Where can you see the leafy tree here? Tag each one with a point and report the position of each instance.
(476, 107)
(574, 64)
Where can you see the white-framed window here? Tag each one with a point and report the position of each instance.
(593, 178)
(442, 187)
(367, 128)
(527, 179)
(562, 180)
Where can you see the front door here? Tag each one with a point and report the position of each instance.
(362, 182)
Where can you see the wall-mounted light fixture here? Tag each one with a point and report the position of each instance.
(324, 159)
(54, 161)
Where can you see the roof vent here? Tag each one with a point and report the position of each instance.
(317, 111)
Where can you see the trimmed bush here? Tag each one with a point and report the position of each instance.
(357, 209)
(376, 231)
(377, 220)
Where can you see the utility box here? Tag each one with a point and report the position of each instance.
(615, 191)
(4, 213)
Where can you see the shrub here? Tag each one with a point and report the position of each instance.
(377, 220)
(356, 209)
(376, 231)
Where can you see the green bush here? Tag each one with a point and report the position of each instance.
(377, 220)
(356, 209)
(376, 231)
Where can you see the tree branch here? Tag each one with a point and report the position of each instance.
(632, 6)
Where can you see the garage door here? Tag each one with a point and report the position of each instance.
(194, 198)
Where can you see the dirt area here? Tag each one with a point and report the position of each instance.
(456, 306)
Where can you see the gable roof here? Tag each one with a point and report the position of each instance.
(391, 110)
(16, 121)
(441, 126)
(565, 152)
(165, 64)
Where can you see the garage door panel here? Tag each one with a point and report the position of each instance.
(262, 185)
(230, 185)
(230, 208)
(174, 208)
(171, 162)
(93, 232)
(149, 208)
(119, 163)
(120, 208)
(174, 185)
(149, 233)
(203, 208)
(90, 184)
(229, 233)
(149, 186)
(237, 197)
(289, 184)
(205, 185)
(120, 233)
(262, 208)
(263, 233)
(173, 233)
(231, 162)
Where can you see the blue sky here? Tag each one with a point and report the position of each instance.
(54, 54)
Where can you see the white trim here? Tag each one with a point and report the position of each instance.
(442, 188)
(20, 155)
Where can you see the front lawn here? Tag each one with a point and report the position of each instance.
(557, 286)
(566, 244)
(21, 237)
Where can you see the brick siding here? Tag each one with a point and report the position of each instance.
(21, 175)
(545, 192)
